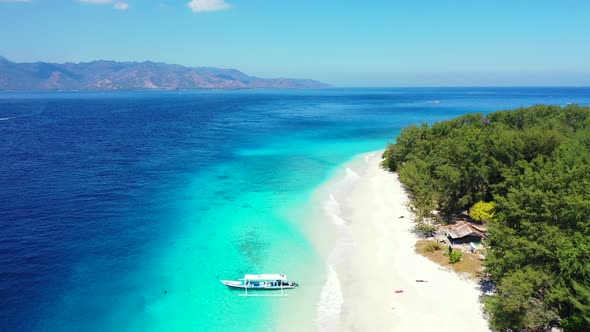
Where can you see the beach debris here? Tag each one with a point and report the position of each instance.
(399, 291)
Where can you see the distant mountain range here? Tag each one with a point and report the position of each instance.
(112, 75)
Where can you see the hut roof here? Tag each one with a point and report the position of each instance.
(463, 229)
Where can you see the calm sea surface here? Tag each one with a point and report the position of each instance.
(122, 210)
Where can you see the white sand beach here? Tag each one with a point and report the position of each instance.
(373, 257)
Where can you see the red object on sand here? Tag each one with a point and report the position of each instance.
(399, 291)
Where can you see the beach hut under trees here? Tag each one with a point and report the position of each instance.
(463, 232)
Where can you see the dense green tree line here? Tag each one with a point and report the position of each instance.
(534, 165)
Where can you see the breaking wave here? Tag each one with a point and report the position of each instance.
(330, 303)
(331, 299)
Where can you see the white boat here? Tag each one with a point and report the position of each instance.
(261, 282)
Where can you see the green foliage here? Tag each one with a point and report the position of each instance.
(517, 304)
(534, 165)
(483, 211)
(454, 256)
(575, 323)
(581, 320)
(432, 247)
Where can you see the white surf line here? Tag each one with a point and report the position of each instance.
(331, 300)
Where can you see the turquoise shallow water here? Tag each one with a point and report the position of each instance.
(123, 210)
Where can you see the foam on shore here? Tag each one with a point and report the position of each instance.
(372, 255)
(330, 303)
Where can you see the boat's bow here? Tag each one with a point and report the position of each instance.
(232, 283)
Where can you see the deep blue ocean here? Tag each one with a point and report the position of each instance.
(121, 210)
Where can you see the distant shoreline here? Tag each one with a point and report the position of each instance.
(165, 90)
(103, 75)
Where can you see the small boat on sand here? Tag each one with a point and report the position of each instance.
(261, 282)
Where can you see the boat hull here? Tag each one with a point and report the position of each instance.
(266, 286)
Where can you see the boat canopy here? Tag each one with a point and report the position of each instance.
(265, 277)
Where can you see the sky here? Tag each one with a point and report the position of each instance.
(345, 42)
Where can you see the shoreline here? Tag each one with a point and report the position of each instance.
(363, 232)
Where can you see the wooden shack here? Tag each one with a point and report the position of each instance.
(464, 232)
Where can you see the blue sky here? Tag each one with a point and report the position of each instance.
(346, 43)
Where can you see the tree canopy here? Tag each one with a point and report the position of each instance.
(532, 167)
(483, 211)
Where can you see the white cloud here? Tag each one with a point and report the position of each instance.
(118, 5)
(198, 6)
(121, 5)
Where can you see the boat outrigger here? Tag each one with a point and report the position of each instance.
(261, 282)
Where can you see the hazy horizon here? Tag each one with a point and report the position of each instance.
(345, 43)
